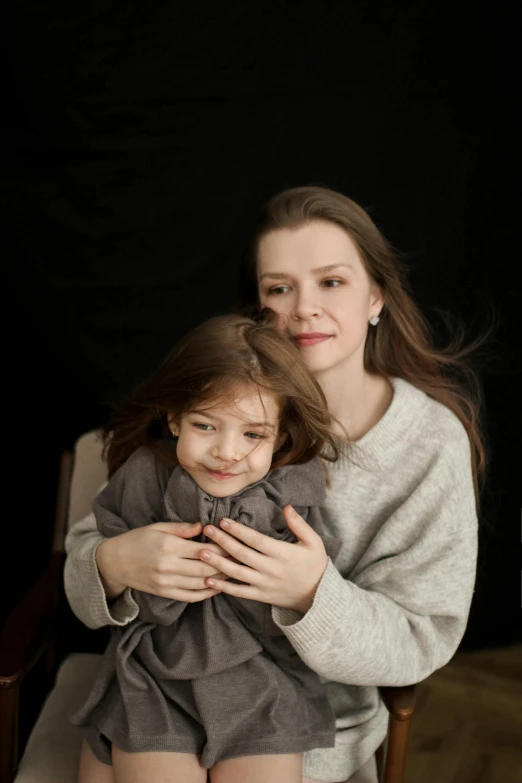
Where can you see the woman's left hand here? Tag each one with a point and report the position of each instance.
(274, 572)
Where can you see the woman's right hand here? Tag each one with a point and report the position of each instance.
(158, 559)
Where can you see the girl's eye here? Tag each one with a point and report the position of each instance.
(278, 289)
(254, 435)
(331, 283)
(200, 426)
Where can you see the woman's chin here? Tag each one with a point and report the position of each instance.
(317, 364)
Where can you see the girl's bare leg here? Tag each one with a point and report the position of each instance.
(278, 768)
(157, 767)
(91, 770)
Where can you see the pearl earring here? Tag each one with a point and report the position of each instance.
(374, 320)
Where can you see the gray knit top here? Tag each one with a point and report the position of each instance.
(394, 607)
(217, 678)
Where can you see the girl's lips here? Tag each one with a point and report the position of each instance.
(311, 339)
(219, 474)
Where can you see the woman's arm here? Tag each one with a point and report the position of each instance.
(403, 609)
(396, 623)
(100, 572)
(83, 583)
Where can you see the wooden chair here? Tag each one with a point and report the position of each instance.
(29, 637)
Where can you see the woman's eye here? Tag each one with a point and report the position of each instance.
(331, 283)
(278, 289)
(200, 426)
(254, 435)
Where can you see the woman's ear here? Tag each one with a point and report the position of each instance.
(376, 299)
(173, 424)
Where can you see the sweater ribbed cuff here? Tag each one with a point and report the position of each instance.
(121, 611)
(313, 631)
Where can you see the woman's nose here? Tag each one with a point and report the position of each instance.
(305, 306)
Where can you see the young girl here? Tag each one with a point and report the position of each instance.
(230, 426)
(395, 606)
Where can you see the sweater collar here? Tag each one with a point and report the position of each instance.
(403, 417)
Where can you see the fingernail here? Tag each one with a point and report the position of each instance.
(205, 555)
(225, 523)
(209, 531)
(211, 583)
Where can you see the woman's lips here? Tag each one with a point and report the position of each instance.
(312, 338)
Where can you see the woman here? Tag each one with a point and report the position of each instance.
(403, 499)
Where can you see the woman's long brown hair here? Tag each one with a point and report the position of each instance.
(214, 363)
(402, 345)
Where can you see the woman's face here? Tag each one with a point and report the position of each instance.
(313, 278)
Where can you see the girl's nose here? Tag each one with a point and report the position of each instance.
(227, 450)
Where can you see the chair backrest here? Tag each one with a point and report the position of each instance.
(88, 475)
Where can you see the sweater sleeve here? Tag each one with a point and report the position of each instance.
(83, 585)
(402, 613)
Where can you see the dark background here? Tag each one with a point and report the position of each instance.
(140, 142)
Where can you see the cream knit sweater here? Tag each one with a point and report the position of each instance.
(394, 607)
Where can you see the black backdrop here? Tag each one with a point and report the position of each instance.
(140, 143)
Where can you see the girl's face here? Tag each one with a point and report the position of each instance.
(313, 278)
(227, 447)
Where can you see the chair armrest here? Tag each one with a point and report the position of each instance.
(400, 702)
(29, 627)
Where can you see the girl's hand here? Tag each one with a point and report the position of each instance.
(274, 572)
(157, 559)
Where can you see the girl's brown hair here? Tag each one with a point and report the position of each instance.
(402, 345)
(213, 363)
